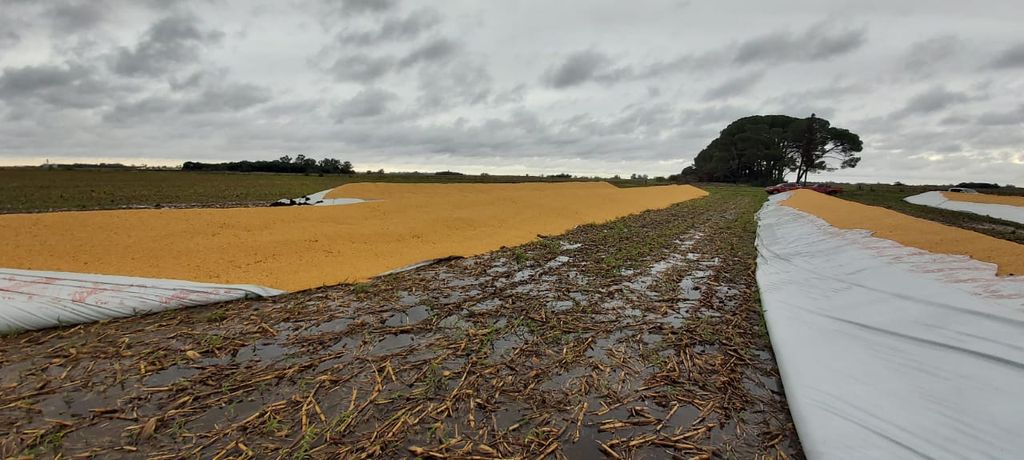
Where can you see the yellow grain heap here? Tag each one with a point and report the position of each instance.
(986, 199)
(911, 231)
(304, 247)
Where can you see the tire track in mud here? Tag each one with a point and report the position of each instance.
(638, 338)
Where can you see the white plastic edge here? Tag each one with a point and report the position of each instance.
(888, 351)
(999, 211)
(32, 299)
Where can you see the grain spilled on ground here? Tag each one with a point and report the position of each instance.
(985, 199)
(911, 231)
(304, 247)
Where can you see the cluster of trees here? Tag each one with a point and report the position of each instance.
(982, 185)
(286, 164)
(762, 149)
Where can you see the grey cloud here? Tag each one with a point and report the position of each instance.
(932, 100)
(1012, 57)
(925, 54)
(644, 119)
(394, 29)
(74, 16)
(581, 67)
(817, 43)
(714, 115)
(1011, 117)
(461, 84)
(228, 97)
(140, 110)
(822, 100)
(954, 120)
(9, 38)
(9, 35)
(168, 43)
(198, 79)
(690, 62)
(439, 49)
(67, 86)
(367, 6)
(733, 87)
(361, 67)
(370, 102)
(219, 97)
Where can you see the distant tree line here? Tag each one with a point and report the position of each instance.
(981, 185)
(762, 149)
(286, 164)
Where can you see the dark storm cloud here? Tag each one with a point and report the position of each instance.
(370, 102)
(1012, 57)
(582, 67)
(932, 100)
(818, 43)
(63, 86)
(394, 29)
(733, 87)
(169, 43)
(925, 54)
(75, 16)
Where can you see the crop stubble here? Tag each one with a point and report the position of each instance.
(639, 338)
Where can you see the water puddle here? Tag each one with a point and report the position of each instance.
(409, 317)
(170, 376)
(557, 262)
(392, 343)
(264, 350)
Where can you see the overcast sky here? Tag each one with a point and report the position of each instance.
(934, 87)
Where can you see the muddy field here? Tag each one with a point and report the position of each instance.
(639, 338)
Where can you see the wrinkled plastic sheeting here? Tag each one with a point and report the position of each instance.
(887, 351)
(320, 199)
(999, 211)
(40, 299)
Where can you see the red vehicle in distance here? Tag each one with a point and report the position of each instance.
(820, 188)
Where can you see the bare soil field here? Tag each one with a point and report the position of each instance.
(638, 338)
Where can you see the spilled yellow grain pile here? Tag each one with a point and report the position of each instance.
(985, 199)
(911, 231)
(303, 247)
